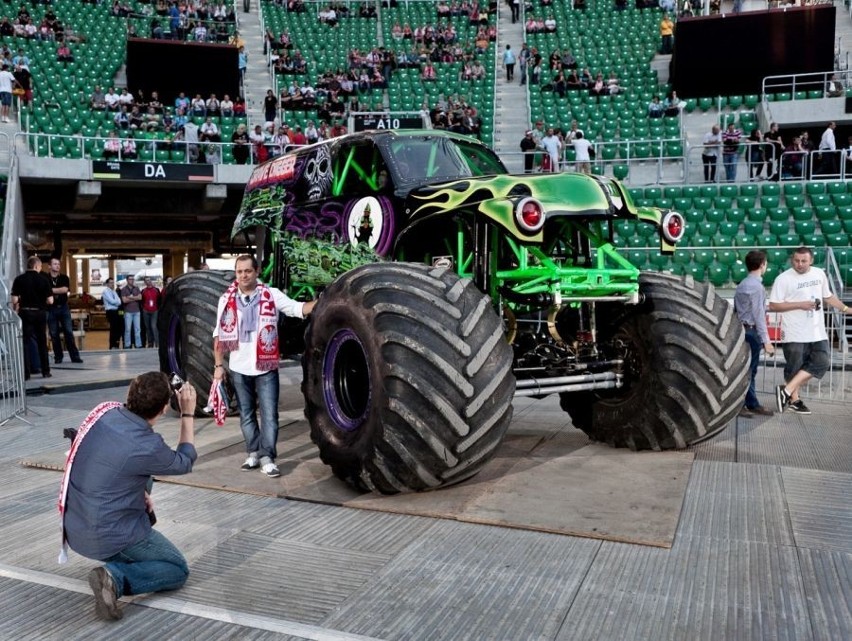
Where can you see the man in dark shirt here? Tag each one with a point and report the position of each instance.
(30, 298)
(59, 315)
(130, 297)
(108, 473)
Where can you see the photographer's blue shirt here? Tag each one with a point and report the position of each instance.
(105, 509)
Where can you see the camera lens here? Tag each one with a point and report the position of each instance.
(175, 381)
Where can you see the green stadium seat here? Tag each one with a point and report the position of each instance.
(698, 240)
(702, 203)
(693, 217)
(708, 191)
(754, 227)
(696, 271)
(789, 240)
(826, 212)
(682, 203)
(706, 228)
(714, 215)
(812, 240)
(768, 201)
(836, 187)
(672, 192)
(718, 274)
(620, 171)
(778, 227)
(820, 199)
(727, 256)
(840, 239)
(691, 191)
(749, 191)
(745, 240)
(777, 213)
(766, 239)
(828, 227)
(841, 200)
(794, 200)
(776, 256)
(728, 229)
(735, 215)
(750, 101)
(812, 188)
(757, 214)
(801, 213)
(770, 189)
(704, 256)
(658, 260)
(738, 272)
(793, 189)
(728, 191)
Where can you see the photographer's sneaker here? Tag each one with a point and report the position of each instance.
(106, 601)
(782, 398)
(269, 468)
(252, 463)
(799, 407)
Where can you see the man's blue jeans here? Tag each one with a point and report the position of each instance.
(753, 340)
(131, 326)
(59, 325)
(152, 565)
(150, 320)
(730, 162)
(258, 393)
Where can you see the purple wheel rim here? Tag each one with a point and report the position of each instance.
(346, 380)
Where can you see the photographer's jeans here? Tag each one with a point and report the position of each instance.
(152, 565)
(258, 393)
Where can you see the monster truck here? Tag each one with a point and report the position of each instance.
(447, 288)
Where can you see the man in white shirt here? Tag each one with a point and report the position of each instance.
(800, 293)
(553, 148)
(249, 309)
(582, 150)
(7, 80)
(828, 146)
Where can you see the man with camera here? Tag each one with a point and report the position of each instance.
(105, 505)
(799, 294)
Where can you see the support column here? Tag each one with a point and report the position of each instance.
(73, 274)
(87, 275)
(173, 262)
(196, 257)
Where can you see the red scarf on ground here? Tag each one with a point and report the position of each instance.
(267, 327)
(93, 417)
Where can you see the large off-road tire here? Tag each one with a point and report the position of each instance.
(407, 378)
(686, 375)
(185, 325)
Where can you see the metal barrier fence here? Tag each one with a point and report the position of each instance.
(13, 397)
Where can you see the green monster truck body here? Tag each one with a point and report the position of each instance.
(448, 287)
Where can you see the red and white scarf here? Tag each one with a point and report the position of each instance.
(267, 329)
(84, 428)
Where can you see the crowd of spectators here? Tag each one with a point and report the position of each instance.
(197, 20)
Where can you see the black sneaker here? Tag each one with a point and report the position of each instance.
(782, 398)
(799, 407)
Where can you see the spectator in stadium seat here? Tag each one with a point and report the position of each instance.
(656, 109)
(793, 160)
(7, 82)
(135, 119)
(239, 106)
(209, 131)
(112, 146)
(63, 53)
(154, 102)
(122, 119)
(756, 155)
(833, 87)
(98, 99)
(198, 107)
(241, 144)
(311, 133)
(212, 106)
(128, 149)
(125, 98)
(182, 101)
(226, 107)
(6, 27)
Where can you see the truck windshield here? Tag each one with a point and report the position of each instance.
(416, 160)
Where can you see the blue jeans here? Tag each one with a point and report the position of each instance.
(730, 162)
(150, 320)
(258, 393)
(131, 325)
(152, 565)
(756, 345)
(59, 326)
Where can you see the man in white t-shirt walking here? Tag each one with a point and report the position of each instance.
(7, 80)
(581, 149)
(800, 294)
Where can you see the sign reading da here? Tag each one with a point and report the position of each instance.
(161, 172)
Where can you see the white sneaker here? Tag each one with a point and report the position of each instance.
(269, 468)
(251, 462)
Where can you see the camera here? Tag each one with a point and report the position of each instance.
(175, 381)
(817, 304)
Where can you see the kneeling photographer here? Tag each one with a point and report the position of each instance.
(105, 505)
